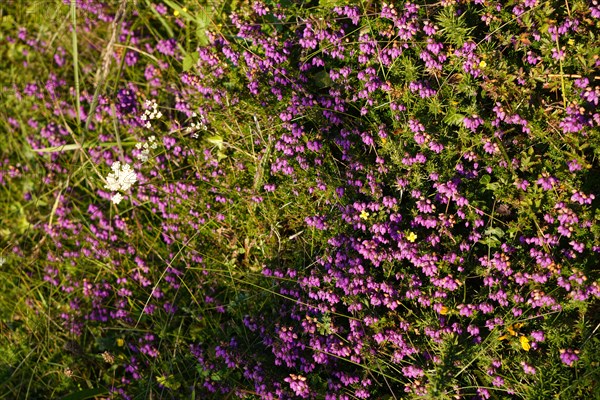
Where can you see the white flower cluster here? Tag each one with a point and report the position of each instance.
(196, 126)
(145, 147)
(150, 113)
(121, 179)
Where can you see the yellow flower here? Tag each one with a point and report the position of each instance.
(120, 342)
(482, 64)
(524, 343)
(511, 328)
(364, 214)
(411, 236)
(444, 310)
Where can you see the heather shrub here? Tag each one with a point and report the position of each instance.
(326, 199)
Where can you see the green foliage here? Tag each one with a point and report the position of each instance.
(201, 231)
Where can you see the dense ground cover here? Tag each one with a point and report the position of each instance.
(329, 200)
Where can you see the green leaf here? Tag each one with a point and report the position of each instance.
(330, 3)
(435, 107)
(491, 241)
(497, 232)
(202, 37)
(493, 186)
(203, 22)
(203, 372)
(189, 61)
(168, 381)
(215, 141)
(220, 155)
(454, 118)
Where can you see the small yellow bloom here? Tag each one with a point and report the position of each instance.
(411, 236)
(482, 64)
(571, 42)
(525, 343)
(364, 214)
(444, 310)
(176, 12)
(511, 328)
(120, 342)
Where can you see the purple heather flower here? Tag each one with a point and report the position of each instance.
(592, 95)
(595, 9)
(528, 369)
(388, 11)
(538, 336)
(568, 356)
(582, 198)
(472, 122)
(473, 330)
(412, 372)
(160, 8)
(167, 47)
(127, 102)
(415, 126)
(581, 83)
(574, 166)
(522, 184)
(298, 385)
(546, 181)
(260, 8)
(429, 28)
(557, 54)
(483, 393)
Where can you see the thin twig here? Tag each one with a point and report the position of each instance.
(574, 76)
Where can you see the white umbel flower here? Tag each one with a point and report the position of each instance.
(127, 177)
(112, 183)
(116, 198)
(151, 112)
(121, 179)
(145, 148)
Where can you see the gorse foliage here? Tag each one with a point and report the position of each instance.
(326, 199)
